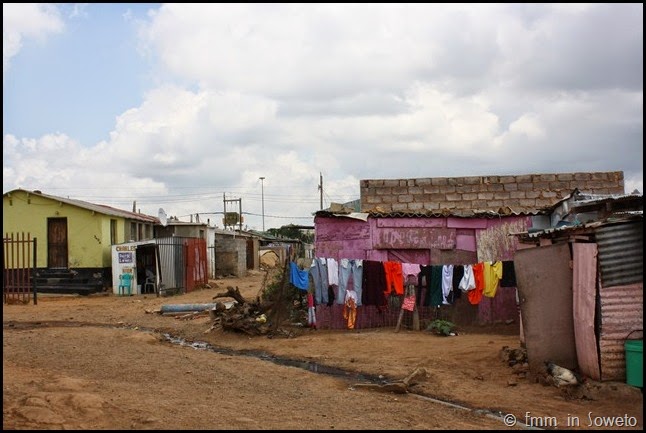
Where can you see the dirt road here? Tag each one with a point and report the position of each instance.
(103, 362)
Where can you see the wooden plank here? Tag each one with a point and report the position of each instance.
(583, 307)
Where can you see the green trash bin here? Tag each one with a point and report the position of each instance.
(634, 362)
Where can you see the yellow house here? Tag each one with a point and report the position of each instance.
(74, 238)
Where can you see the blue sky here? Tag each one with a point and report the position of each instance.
(176, 105)
(79, 80)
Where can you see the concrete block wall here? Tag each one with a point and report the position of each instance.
(230, 256)
(464, 195)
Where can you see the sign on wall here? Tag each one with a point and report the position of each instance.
(125, 257)
(415, 238)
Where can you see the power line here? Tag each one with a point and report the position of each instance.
(276, 216)
(245, 213)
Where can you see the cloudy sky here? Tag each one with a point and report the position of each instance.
(178, 106)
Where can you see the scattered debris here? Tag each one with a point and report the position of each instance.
(250, 317)
(513, 356)
(399, 387)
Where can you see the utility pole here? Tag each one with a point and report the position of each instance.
(321, 189)
(262, 195)
(237, 217)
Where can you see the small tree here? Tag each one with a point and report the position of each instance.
(292, 232)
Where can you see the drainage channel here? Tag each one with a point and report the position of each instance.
(505, 419)
(305, 365)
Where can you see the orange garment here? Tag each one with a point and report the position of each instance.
(492, 276)
(350, 312)
(475, 295)
(394, 277)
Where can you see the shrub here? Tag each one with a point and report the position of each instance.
(441, 327)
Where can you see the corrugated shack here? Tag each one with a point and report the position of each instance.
(580, 282)
(445, 221)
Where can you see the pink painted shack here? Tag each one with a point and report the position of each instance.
(441, 221)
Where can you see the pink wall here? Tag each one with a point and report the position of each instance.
(341, 237)
(426, 241)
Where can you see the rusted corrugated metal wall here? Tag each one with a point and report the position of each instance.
(622, 311)
(621, 263)
(182, 262)
(621, 256)
(195, 249)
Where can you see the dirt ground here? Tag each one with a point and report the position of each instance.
(105, 362)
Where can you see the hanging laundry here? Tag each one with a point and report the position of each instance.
(458, 273)
(332, 271)
(373, 283)
(409, 303)
(468, 281)
(423, 283)
(350, 308)
(410, 269)
(299, 278)
(475, 295)
(492, 276)
(350, 268)
(394, 277)
(330, 295)
(318, 270)
(447, 283)
(434, 287)
(311, 310)
(508, 274)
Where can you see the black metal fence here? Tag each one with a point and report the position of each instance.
(19, 258)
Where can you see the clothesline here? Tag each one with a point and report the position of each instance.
(372, 281)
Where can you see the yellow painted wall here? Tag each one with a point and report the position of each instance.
(88, 233)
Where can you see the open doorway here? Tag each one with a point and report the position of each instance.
(148, 275)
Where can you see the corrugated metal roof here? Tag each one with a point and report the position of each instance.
(587, 199)
(587, 227)
(103, 209)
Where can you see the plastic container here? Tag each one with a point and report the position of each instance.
(634, 362)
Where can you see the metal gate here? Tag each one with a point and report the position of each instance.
(18, 276)
(195, 263)
(183, 263)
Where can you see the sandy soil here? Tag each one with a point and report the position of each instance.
(104, 362)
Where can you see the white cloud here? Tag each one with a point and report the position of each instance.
(26, 20)
(287, 91)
